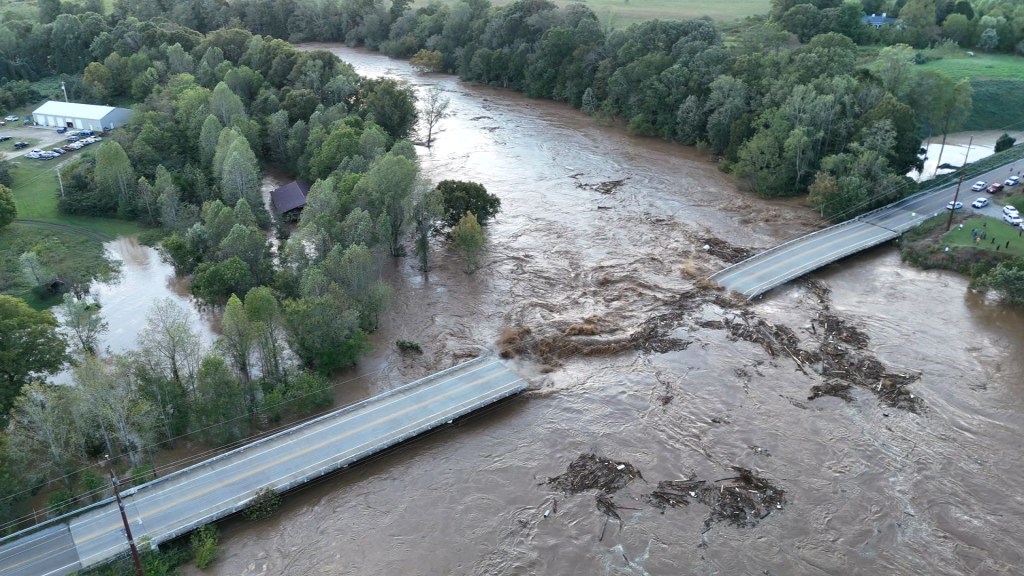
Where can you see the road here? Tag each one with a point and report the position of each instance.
(178, 503)
(776, 266)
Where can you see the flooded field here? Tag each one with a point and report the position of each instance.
(643, 365)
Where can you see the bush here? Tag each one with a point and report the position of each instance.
(60, 502)
(1005, 142)
(204, 545)
(263, 504)
(409, 346)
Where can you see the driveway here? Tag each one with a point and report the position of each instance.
(44, 136)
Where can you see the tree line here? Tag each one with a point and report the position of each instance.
(786, 119)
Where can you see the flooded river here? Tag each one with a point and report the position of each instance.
(869, 489)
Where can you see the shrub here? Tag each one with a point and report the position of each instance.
(263, 504)
(409, 346)
(204, 545)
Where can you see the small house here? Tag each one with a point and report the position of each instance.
(290, 199)
(80, 116)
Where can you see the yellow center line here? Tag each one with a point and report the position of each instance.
(290, 456)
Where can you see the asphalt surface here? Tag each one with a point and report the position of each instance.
(776, 266)
(180, 502)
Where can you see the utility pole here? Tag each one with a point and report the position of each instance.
(127, 528)
(65, 91)
(949, 223)
(61, 181)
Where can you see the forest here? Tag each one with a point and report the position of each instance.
(784, 102)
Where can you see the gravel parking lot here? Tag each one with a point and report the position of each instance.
(45, 137)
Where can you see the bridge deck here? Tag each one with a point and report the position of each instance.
(180, 502)
(776, 266)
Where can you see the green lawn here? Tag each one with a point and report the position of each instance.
(622, 13)
(979, 67)
(36, 193)
(998, 232)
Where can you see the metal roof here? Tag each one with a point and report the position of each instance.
(290, 196)
(74, 110)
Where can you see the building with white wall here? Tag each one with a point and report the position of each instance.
(80, 116)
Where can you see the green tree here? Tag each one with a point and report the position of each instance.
(391, 104)
(214, 282)
(209, 137)
(459, 197)
(8, 210)
(468, 237)
(83, 320)
(225, 105)
(427, 209)
(388, 188)
(109, 402)
(324, 332)
(175, 346)
(30, 346)
(240, 176)
(115, 177)
(237, 342)
(1005, 142)
(44, 435)
(219, 412)
(427, 60)
(1007, 278)
(264, 315)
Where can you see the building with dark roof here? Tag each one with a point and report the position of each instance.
(290, 199)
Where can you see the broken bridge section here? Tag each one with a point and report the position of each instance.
(180, 502)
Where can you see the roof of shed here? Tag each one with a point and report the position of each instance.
(290, 196)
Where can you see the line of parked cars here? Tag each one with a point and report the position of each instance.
(76, 145)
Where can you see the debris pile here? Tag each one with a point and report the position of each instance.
(723, 250)
(606, 187)
(742, 500)
(591, 471)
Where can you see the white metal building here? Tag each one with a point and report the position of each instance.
(80, 116)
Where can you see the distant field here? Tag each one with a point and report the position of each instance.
(979, 67)
(622, 13)
(998, 83)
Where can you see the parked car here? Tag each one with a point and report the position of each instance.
(12, 118)
(1012, 219)
(995, 187)
(20, 145)
(1010, 210)
(61, 130)
(57, 151)
(85, 133)
(4, 138)
(72, 138)
(979, 186)
(979, 203)
(957, 206)
(1012, 181)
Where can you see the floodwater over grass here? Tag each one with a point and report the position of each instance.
(622, 13)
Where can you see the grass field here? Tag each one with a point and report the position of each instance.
(999, 233)
(622, 13)
(998, 83)
(36, 192)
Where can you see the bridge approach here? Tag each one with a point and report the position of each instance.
(180, 502)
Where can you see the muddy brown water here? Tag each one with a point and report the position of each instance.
(869, 489)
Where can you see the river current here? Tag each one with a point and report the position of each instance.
(869, 489)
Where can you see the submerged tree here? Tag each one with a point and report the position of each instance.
(435, 109)
(468, 237)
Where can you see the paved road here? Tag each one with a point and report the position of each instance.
(774, 267)
(177, 503)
